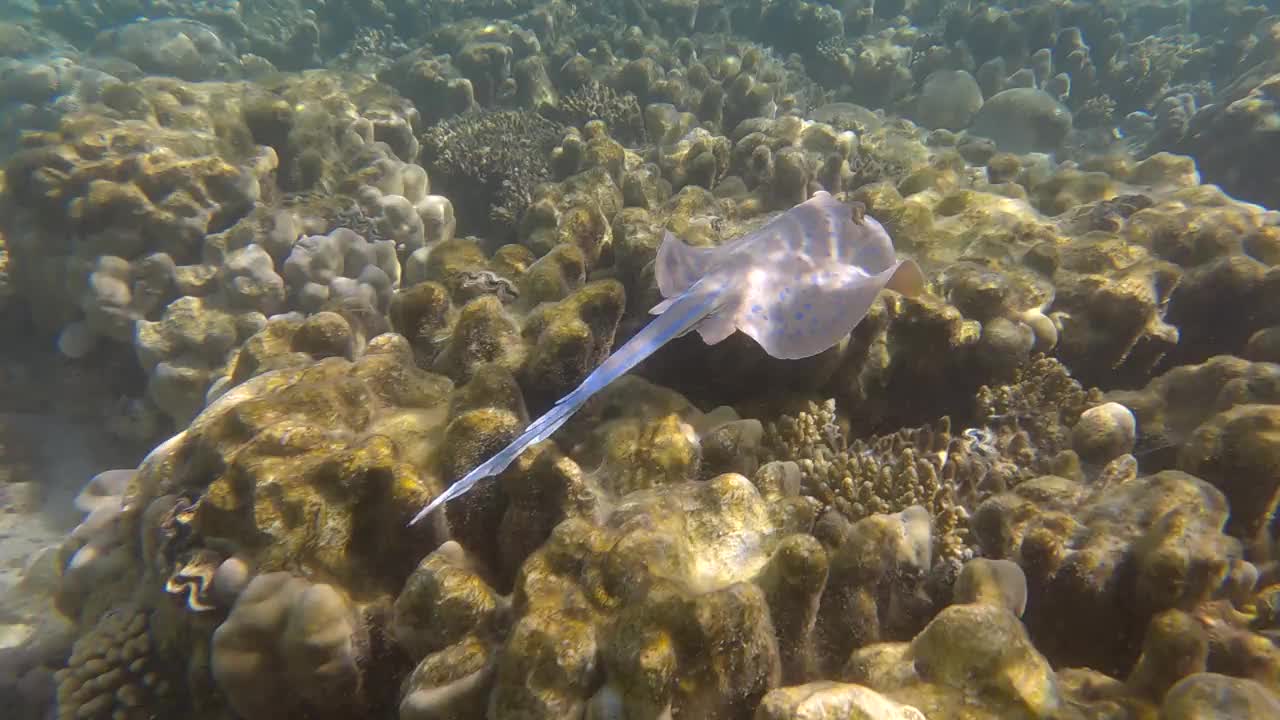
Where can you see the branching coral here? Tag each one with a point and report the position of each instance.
(596, 101)
(490, 162)
(1022, 430)
(888, 474)
(1031, 418)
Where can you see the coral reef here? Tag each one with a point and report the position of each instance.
(1217, 421)
(339, 254)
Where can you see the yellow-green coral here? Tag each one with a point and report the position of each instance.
(308, 466)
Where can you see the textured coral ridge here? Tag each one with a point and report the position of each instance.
(261, 550)
(1044, 489)
(265, 555)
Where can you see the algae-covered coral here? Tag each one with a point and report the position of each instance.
(303, 265)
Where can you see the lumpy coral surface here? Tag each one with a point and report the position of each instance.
(275, 275)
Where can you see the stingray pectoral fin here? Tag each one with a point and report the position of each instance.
(799, 321)
(717, 326)
(907, 279)
(678, 266)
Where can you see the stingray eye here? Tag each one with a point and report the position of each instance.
(858, 210)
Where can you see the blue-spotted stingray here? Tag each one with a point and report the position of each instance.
(797, 285)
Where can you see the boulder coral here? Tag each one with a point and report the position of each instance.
(290, 646)
(1112, 556)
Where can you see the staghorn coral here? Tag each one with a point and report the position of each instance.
(1022, 429)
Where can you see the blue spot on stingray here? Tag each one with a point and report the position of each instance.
(799, 316)
(757, 309)
(808, 306)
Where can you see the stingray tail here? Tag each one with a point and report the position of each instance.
(680, 315)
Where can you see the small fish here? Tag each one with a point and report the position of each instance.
(797, 285)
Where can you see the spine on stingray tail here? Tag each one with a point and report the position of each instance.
(681, 315)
